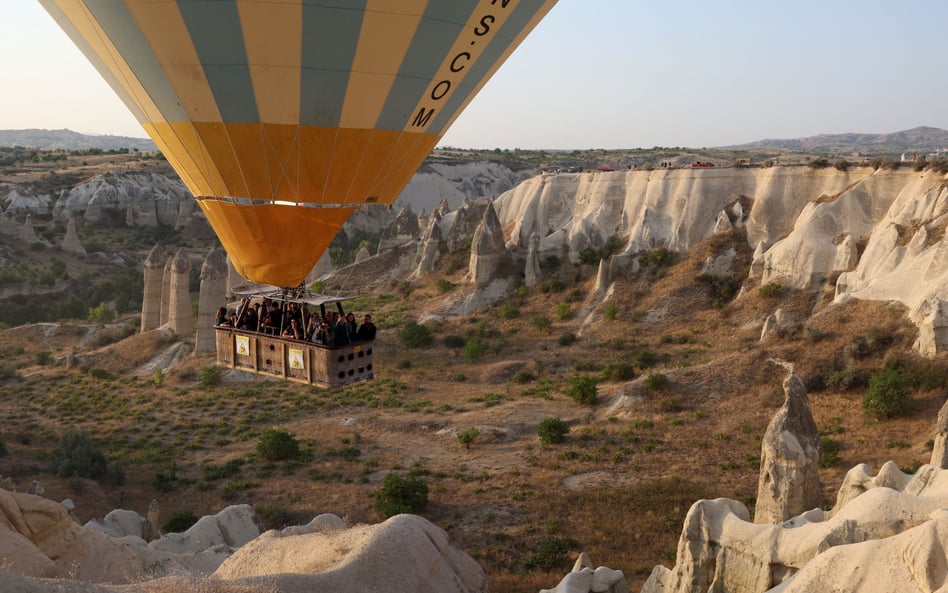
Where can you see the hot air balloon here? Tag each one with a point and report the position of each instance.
(282, 117)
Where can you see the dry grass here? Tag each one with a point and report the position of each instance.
(618, 488)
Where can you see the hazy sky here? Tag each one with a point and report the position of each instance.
(610, 74)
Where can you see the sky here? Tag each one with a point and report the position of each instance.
(609, 74)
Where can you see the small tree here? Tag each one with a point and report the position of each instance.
(552, 430)
(101, 313)
(210, 376)
(467, 436)
(401, 494)
(78, 456)
(474, 349)
(888, 394)
(582, 389)
(415, 335)
(277, 445)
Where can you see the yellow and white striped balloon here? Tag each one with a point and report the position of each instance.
(283, 116)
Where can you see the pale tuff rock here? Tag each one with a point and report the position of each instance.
(18, 201)
(604, 275)
(940, 449)
(151, 297)
(362, 255)
(180, 313)
(790, 454)
(531, 271)
(931, 318)
(369, 218)
(463, 222)
(720, 550)
(27, 234)
(436, 182)
(213, 295)
(71, 242)
(489, 257)
(234, 279)
(166, 291)
(430, 247)
(757, 261)
(325, 523)
(404, 554)
(721, 265)
(404, 229)
(586, 579)
(144, 200)
(775, 321)
(722, 224)
(847, 257)
(423, 219)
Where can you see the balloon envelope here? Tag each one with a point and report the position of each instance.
(283, 117)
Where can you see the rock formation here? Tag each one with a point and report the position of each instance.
(45, 551)
(71, 241)
(180, 313)
(362, 255)
(940, 448)
(431, 246)
(586, 579)
(404, 229)
(531, 271)
(213, 295)
(166, 291)
(931, 318)
(789, 462)
(489, 257)
(463, 222)
(323, 266)
(151, 297)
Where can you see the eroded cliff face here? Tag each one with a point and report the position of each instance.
(807, 225)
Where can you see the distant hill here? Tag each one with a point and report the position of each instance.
(69, 140)
(917, 139)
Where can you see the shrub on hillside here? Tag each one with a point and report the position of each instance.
(415, 335)
(771, 290)
(474, 349)
(77, 455)
(552, 430)
(277, 445)
(401, 494)
(582, 389)
(210, 376)
(888, 394)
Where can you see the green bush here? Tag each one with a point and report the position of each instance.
(523, 376)
(180, 522)
(610, 311)
(445, 285)
(401, 494)
(563, 311)
(541, 322)
(468, 436)
(567, 339)
(277, 445)
(210, 376)
(770, 290)
(76, 455)
(44, 357)
(552, 431)
(656, 382)
(829, 452)
(474, 349)
(616, 371)
(508, 311)
(582, 389)
(101, 313)
(551, 554)
(415, 335)
(888, 394)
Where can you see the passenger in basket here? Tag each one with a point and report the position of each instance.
(341, 337)
(294, 331)
(222, 317)
(366, 331)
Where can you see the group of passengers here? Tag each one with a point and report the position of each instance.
(297, 323)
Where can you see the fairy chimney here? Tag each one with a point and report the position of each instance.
(212, 296)
(165, 314)
(489, 256)
(531, 271)
(789, 462)
(404, 229)
(431, 246)
(71, 241)
(180, 314)
(151, 298)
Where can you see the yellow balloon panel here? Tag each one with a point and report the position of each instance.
(274, 243)
(261, 103)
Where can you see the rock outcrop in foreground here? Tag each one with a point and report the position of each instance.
(43, 550)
